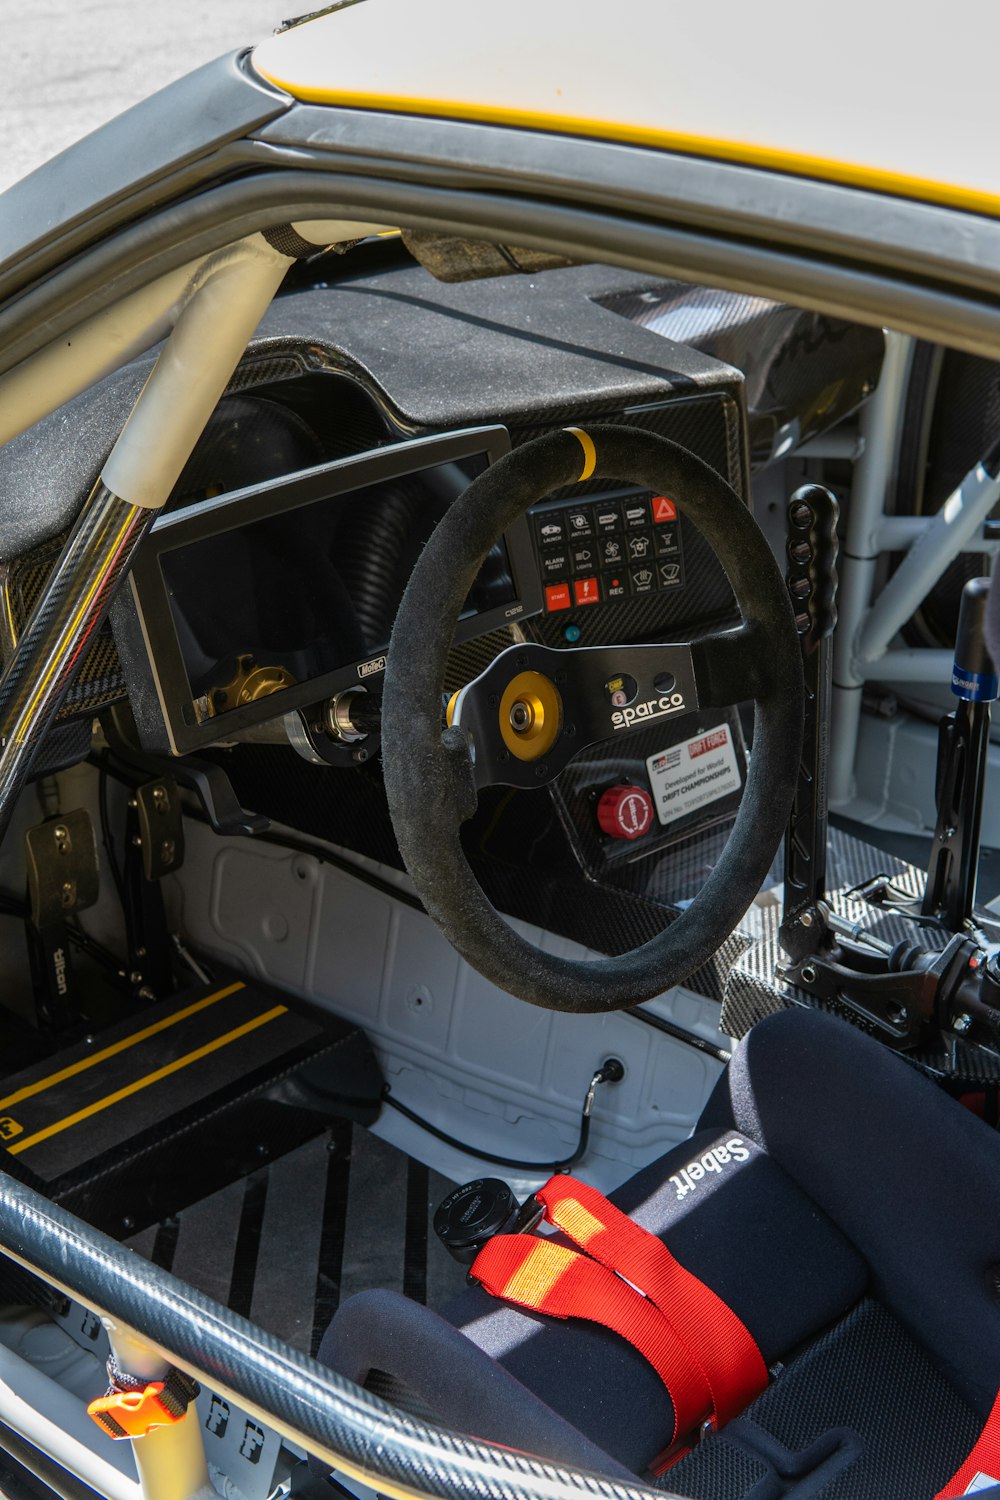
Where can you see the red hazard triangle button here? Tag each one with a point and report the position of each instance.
(664, 509)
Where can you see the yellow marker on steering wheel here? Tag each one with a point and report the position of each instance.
(589, 452)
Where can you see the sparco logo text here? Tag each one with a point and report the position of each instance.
(653, 708)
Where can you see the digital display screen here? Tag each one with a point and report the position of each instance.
(261, 606)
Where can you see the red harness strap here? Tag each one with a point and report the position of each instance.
(551, 1279)
(704, 1355)
(982, 1467)
(717, 1338)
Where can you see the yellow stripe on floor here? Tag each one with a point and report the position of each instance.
(150, 1078)
(30, 1089)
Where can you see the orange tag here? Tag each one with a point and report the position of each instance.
(131, 1414)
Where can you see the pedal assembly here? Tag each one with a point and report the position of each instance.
(146, 1092)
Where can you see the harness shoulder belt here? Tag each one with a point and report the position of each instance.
(628, 1281)
(981, 1470)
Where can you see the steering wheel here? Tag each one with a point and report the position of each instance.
(534, 707)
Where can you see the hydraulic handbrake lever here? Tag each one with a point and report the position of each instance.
(963, 744)
(813, 513)
(896, 991)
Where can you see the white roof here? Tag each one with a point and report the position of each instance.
(883, 94)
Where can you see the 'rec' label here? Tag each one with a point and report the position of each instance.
(694, 773)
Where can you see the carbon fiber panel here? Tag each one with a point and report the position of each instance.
(473, 657)
(803, 371)
(707, 424)
(752, 990)
(99, 680)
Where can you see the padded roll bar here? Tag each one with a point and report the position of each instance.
(358, 1434)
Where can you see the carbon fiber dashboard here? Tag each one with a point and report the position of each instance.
(353, 366)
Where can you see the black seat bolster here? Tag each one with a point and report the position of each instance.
(861, 1413)
(465, 1389)
(908, 1174)
(733, 1219)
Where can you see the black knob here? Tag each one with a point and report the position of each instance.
(973, 675)
(472, 1214)
(812, 547)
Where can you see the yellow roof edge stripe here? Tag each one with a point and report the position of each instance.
(736, 153)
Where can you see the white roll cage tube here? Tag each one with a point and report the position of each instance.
(210, 310)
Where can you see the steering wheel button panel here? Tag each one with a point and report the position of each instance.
(625, 812)
(621, 537)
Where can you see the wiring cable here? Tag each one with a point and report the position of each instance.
(611, 1071)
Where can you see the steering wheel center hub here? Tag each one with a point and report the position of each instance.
(530, 715)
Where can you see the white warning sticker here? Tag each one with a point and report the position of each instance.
(243, 1448)
(980, 1482)
(693, 774)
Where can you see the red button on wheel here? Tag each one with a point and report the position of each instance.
(663, 509)
(625, 812)
(587, 591)
(557, 596)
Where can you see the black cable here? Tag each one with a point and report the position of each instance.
(282, 840)
(679, 1034)
(108, 841)
(610, 1071)
(11, 906)
(94, 949)
(498, 1161)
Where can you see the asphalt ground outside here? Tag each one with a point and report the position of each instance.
(70, 65)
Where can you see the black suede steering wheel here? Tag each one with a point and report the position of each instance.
(562, 703)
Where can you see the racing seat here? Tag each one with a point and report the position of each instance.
(855, 1232)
